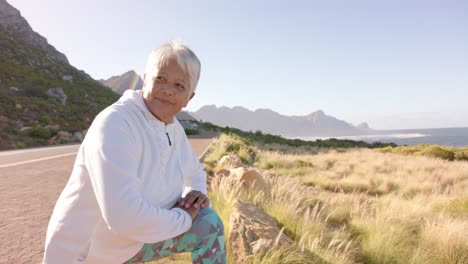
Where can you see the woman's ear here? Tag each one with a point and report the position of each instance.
(190, 98)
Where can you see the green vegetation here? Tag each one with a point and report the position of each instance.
(40, 132)
(26, 74)
(191, 131)
(268, 139)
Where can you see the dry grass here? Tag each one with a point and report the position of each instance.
(364, 206)
(355, 206)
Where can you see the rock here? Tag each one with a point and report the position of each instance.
(58, 94)
(230, 161)
(67, 78)
(79, 136)
(261, 246)
(64, 135)
(216, 180)
(252, 231)
(61, 135)
(251, 180)
(14, 89)
(25, 129)
(53, 128)
(18, 106)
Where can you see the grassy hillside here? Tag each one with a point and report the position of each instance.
(30, 117)
(355, 205)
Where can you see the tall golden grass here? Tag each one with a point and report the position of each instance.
(355, 206)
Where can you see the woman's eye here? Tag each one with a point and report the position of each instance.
(160, 78)
(180, 86)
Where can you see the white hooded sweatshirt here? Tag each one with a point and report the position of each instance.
(129, 172)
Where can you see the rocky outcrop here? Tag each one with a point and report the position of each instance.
(250, 179)
(63, 136)
(216, 180)
(251, 232)
(230, 161)
(12, 21)
(58, 94)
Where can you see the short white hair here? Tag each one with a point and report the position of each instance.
(185, 57)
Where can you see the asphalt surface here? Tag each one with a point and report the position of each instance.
(30, 183)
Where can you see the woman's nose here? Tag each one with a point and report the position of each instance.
(167, 89)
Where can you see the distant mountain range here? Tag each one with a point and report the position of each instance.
(268, 121)
(120, 83)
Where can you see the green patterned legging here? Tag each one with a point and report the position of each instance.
(205, 240)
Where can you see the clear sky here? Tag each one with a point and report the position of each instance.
(394, 64)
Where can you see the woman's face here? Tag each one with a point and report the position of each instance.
(167, 91)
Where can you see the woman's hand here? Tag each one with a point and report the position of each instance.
(193, 212)
(194, 198)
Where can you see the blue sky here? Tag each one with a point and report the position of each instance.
(394, 64)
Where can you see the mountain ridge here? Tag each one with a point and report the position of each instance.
(268, 121)
(13, 22)
(43, 99)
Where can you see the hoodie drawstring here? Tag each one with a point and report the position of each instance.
(168, 139)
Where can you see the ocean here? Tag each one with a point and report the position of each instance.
(456, 137)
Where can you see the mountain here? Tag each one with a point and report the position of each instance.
(183, 115)
(43, 99)
(120, 83)
(13, 23)
(268, 121)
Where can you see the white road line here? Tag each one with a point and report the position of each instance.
(14, 152)
(35, 160)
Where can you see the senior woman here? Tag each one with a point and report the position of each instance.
(137, 191)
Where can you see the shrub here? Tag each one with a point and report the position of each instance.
(458, 208)
(44, 119)
(40, 132)
(18, 144)
(191, 131)
(461, 155)
(437, 152)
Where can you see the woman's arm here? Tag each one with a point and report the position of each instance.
(112, 160)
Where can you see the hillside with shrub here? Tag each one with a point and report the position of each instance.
(44, 100)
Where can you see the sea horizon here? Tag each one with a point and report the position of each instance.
(452, 136)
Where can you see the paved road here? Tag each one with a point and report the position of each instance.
(30, 184)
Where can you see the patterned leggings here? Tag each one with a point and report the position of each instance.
(205, 239)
